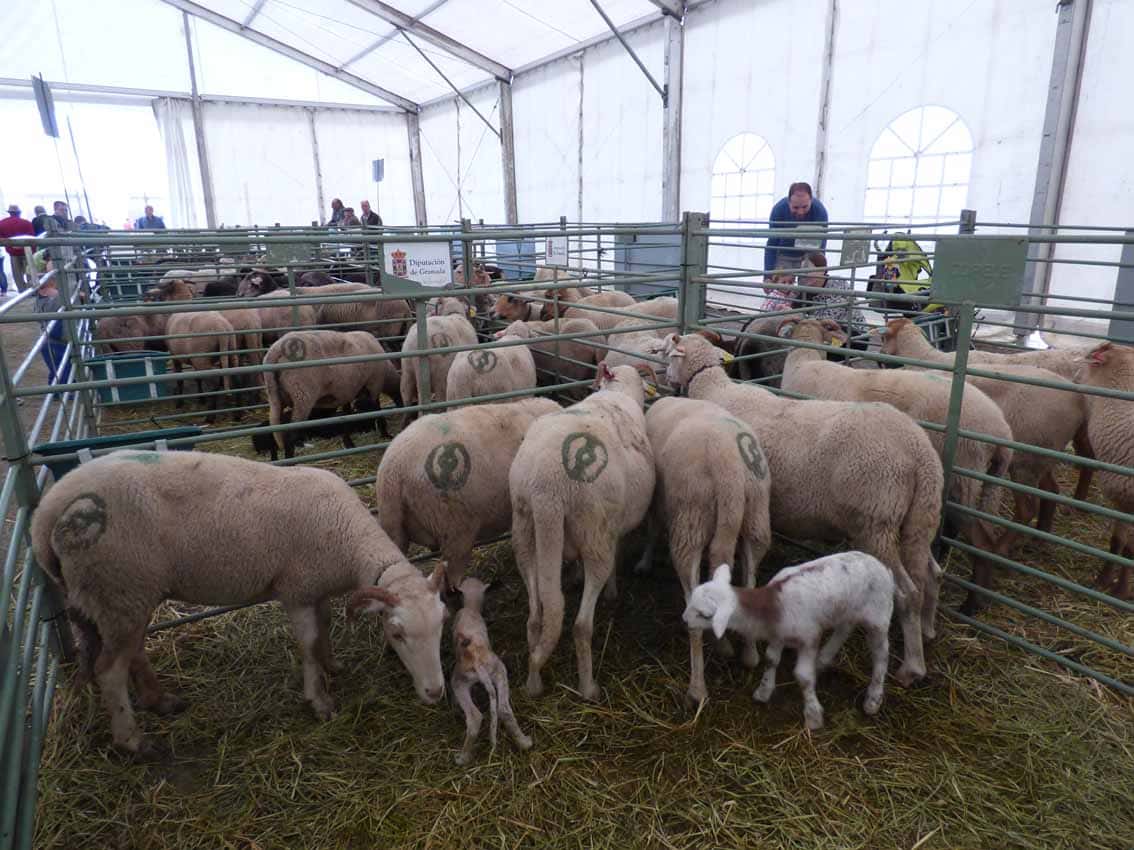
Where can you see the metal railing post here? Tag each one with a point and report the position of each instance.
(74, 338)
(466, 251)
(966, 311)
(694, 264)
(424, 394)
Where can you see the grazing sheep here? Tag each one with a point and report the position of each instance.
(603, 320)
(841, 471)
(712, 496)
(201, 352)
(1108, 422)
(128, 530)
(477, 663)
(572, 359)
(294, 393)
(493, 370)
(443, 481)
(837, 592)
(450, 327)
(925, 397)
(581, 480)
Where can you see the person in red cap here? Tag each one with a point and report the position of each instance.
(10, 227)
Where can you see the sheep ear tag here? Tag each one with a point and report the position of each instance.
(472, 312)
(727, 358)
(836, 342)
(650, 391)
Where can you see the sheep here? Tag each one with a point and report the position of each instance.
(128, 530)
(202, 352)
(119, 334)
(449, 328)
(260, 282)
(516, 308)
(837, 592)
(768, 368)
(865, 473)
(660, 308)
(476, 662)
(1064, 362)
(381, 318)
(608, 300)
(246, 323)
(582, 479)
(275, 320)
(1108, 423)
(924, 396)
(299, 391)
(712, 495)
(443, 481)
(493, 370)
(1038, 416)
(571, 359)
(264, 443)
(641, 349)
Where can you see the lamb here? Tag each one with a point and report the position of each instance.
(201, 352)
(299, 391)
(476, 662)
(1038, 416)
(449, 328)
(1108, 423)
(581, 480)
(572, 359)
(925, 397)
(834, 477)
(443, 481)
(712, 495)
(1064, 362)
(603, 320)
(837, 592)
(128, 530)
(493, 370)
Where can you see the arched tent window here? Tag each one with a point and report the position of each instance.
(743, 179)
(919, 168)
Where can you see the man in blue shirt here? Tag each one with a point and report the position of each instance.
(799, 209)
(149, 221)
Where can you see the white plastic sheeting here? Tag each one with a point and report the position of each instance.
(461, 159)
(546, 105)
(186, 197)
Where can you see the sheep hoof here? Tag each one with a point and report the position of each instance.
(324, 708)
(872, 703)
(169, 704)
(906, 676)
(524, 742)
(463, 758)
(813, 720)
(534, 685)
(591, 692)
(143, 751)
(763, 693)
(694, 698)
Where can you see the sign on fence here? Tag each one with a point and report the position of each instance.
(979, 269)
(424, 263)
(855, 248)
(555, 251)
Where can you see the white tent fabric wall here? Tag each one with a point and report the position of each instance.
(348, 143)
(262, 164)
(439, 162)
(175, 125)
(1099, 182)
(622, 130)
(774, 93)
(545, 104)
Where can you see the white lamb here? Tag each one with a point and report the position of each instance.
(837, 592)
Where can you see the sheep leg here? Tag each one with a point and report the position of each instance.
(1047, 506)
(597, 566)
(180, 382)
(462, 690)
(457, 551)
(500, 681)
(305, 624)
(768, 682)
(831, 648)
(485, 679)
(610, 588)
(723, 553)
(323, 643)
(697, 692)
(909, 599)
(646, 561)
(931, 593)
(150, 694)
(879, 642)
(805, 675)
(1083, 448)
(112, 671)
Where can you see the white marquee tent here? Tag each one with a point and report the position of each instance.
(896, 111)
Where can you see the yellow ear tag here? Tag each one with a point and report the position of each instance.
(472, 312)
(836, 342)
(728, 358)
(650, 391)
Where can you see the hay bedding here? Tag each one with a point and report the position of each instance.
(997, 749)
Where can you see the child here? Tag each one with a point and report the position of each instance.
(47, 301)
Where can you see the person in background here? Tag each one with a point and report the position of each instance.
(349, 219)
(369, 217)
(337, 211)
(39, 223)
(798, 209)
(149, 221)
(47, 302)
(62, 216)
(11, 227)
(832, 303)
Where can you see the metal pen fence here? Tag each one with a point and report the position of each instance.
(105, 276)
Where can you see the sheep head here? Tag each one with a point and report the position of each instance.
(472, 593)
(511, 308)
(1110, 365)
(256, 283)
(890, 333)
(622, 379)
(688, 355)
(712, 604)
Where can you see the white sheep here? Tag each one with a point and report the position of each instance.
(450, 327)
(294, 393)
(477, 663)
(488, 371)
(128, 530)
(443, 481)
(572, 359)
(581, 480)
(712, 496)
(857, 472)
(611, 300)
(795, 608)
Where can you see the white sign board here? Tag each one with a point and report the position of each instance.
(855, 248)
(555, 253)
(427, 263)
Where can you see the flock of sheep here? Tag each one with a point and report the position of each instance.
(714, 472)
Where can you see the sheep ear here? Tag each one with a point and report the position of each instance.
(1099, 354)
(711, 336)
(371, 600)
(723, 575)
(437, 580)
(498, 334)
(723, 614)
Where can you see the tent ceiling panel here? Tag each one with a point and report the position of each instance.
(402, 69)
